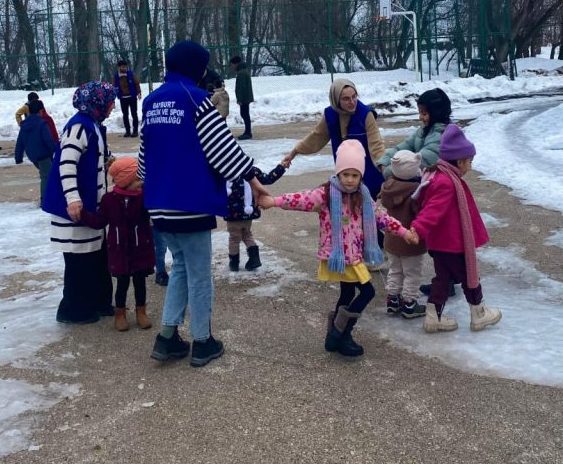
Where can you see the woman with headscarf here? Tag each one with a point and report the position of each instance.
(346, 118)
(77, 180)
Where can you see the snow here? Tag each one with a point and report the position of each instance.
(555, 239)
(525, 345)
(528, 161)
(282, 99)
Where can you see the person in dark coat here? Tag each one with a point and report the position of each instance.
(36, 140)
(244, 94)
(242, 210)
(128, 90)
(129, 240)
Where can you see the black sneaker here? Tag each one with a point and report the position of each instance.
(206, 351)
(161, 278)
(245, 136)
(411, 309)
(393, 304)
(170, 348)
(135, 134)
(127, 134)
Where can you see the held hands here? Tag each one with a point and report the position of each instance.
(266, 201)
(289, 158)
(411, 237)
(74, 209)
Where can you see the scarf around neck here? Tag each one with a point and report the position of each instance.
(471, 265)
(372, 253)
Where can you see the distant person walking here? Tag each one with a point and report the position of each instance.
(244, 94)
(128, 90)
(23, 111)
(36, 140)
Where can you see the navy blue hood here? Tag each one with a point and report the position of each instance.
(187, 58)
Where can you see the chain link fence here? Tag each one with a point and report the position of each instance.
(273, 37)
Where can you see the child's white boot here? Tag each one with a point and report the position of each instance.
(434, 324)
(482, 316)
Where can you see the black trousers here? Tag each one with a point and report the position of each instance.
(126, 105)
(355, 304)
(87, 288)
(139, 285)
(245, 115)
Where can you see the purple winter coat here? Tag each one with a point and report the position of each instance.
(129, 238)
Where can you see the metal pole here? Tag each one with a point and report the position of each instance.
(51, 42)
(436, 41)
(331, 45)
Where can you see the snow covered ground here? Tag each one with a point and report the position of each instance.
(281, 99)
(530, 163)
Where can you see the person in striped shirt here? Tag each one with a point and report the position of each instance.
(187, 154)
(77, 180)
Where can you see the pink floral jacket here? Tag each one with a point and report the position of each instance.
(316, 200)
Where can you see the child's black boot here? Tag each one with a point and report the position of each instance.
(253, 258)
(339, 337)
(234, 261)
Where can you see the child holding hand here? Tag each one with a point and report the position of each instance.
(348, 219)
(129, 239)
(450, 224)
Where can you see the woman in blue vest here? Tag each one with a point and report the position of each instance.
(346, 118)
(77, 180)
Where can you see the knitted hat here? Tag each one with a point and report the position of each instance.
(454, 145)
(94, 98)
(350, 155)
(405, 164)
(187, 58)
(123, 171)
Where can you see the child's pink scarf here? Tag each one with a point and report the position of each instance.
(471, 265)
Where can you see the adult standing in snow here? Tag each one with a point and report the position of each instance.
(346, 118)
(187, 154)
(36, 140)
(78, 181)
(243, 93)
(128, 90)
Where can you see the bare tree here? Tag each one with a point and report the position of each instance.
(33, 72)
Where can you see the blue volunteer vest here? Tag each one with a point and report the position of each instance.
(86, 170)
(177, 174)
(356, 130)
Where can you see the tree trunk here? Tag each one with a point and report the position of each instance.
(251, 31)
(86, 28)
(233, 27)
(181, 20)
(33, 72)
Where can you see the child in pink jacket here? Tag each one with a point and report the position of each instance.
(347, 240)
(450, 224)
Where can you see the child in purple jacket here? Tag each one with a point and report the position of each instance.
(129, 239)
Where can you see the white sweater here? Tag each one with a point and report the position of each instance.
(67, 236)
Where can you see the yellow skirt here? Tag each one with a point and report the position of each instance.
(352, 273)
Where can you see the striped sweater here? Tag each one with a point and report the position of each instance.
(224, 156)
(67, 236)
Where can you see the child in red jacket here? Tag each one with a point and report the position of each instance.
(129, 239)
(450, 224)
